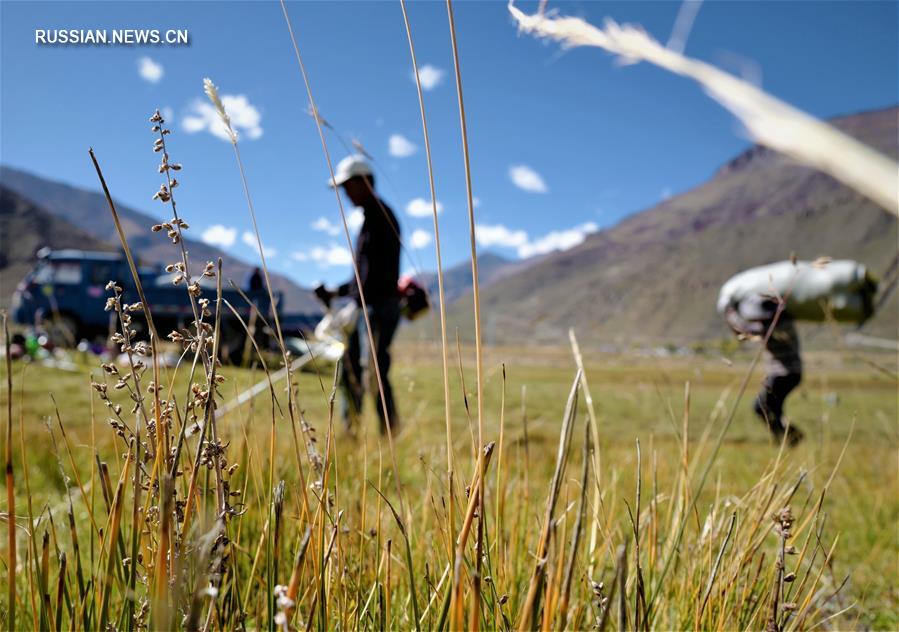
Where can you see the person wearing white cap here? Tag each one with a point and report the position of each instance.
(377, 255)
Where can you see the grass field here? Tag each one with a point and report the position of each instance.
(535, 489)
(355, 570)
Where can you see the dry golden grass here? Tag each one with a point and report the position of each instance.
(645, 500)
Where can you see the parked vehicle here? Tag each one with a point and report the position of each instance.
(65, 295)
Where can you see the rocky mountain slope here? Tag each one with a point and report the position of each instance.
(655, 276)
(89, 211)
(24, 229)
(457, 279)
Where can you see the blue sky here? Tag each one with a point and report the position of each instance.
(588, 142)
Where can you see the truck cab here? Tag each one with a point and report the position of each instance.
(64, 294)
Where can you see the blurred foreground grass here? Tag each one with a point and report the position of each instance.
(637, 398)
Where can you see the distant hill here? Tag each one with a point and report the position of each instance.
(89, 211)
(24, 229)
(655, 276)
(457, 279)
(457, 289)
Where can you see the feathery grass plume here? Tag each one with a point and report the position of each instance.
(768, 120)
(213, 94)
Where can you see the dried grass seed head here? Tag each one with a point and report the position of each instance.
(212, 92)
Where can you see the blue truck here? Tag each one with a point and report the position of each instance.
(65, 296)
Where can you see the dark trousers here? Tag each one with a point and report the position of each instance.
(783, 368)
(769, 404)
(384, 317)
(783, 364)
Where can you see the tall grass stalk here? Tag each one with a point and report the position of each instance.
(10, 486)
(597, 461)
(476, 296)
(536, 583)
(349, 241)
(576, 534)
(441, 293)
(212, 93)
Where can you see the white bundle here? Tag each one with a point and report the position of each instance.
(334, 328)
(812, 291)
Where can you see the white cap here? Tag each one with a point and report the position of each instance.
(350, 167)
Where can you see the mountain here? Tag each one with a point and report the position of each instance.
(24, 229)
(89, 211)
(457, 279)
(655, 276)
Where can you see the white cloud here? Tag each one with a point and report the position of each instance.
(322, 224)
(353, 221)
(476, 201)
(557, 240)
(168, 114)
(489, 235)
(666, 193)
(498, 235)
(325, 256)
(420, 207)
(420, 238)
(249, 239)
(430, 76)
(527, 179)
(149, 70)
(355, 218)
(400, 147)
(219, 235)
(244, 118)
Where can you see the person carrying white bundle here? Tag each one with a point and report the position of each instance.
(842, 291)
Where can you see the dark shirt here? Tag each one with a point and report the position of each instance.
(377, 255)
